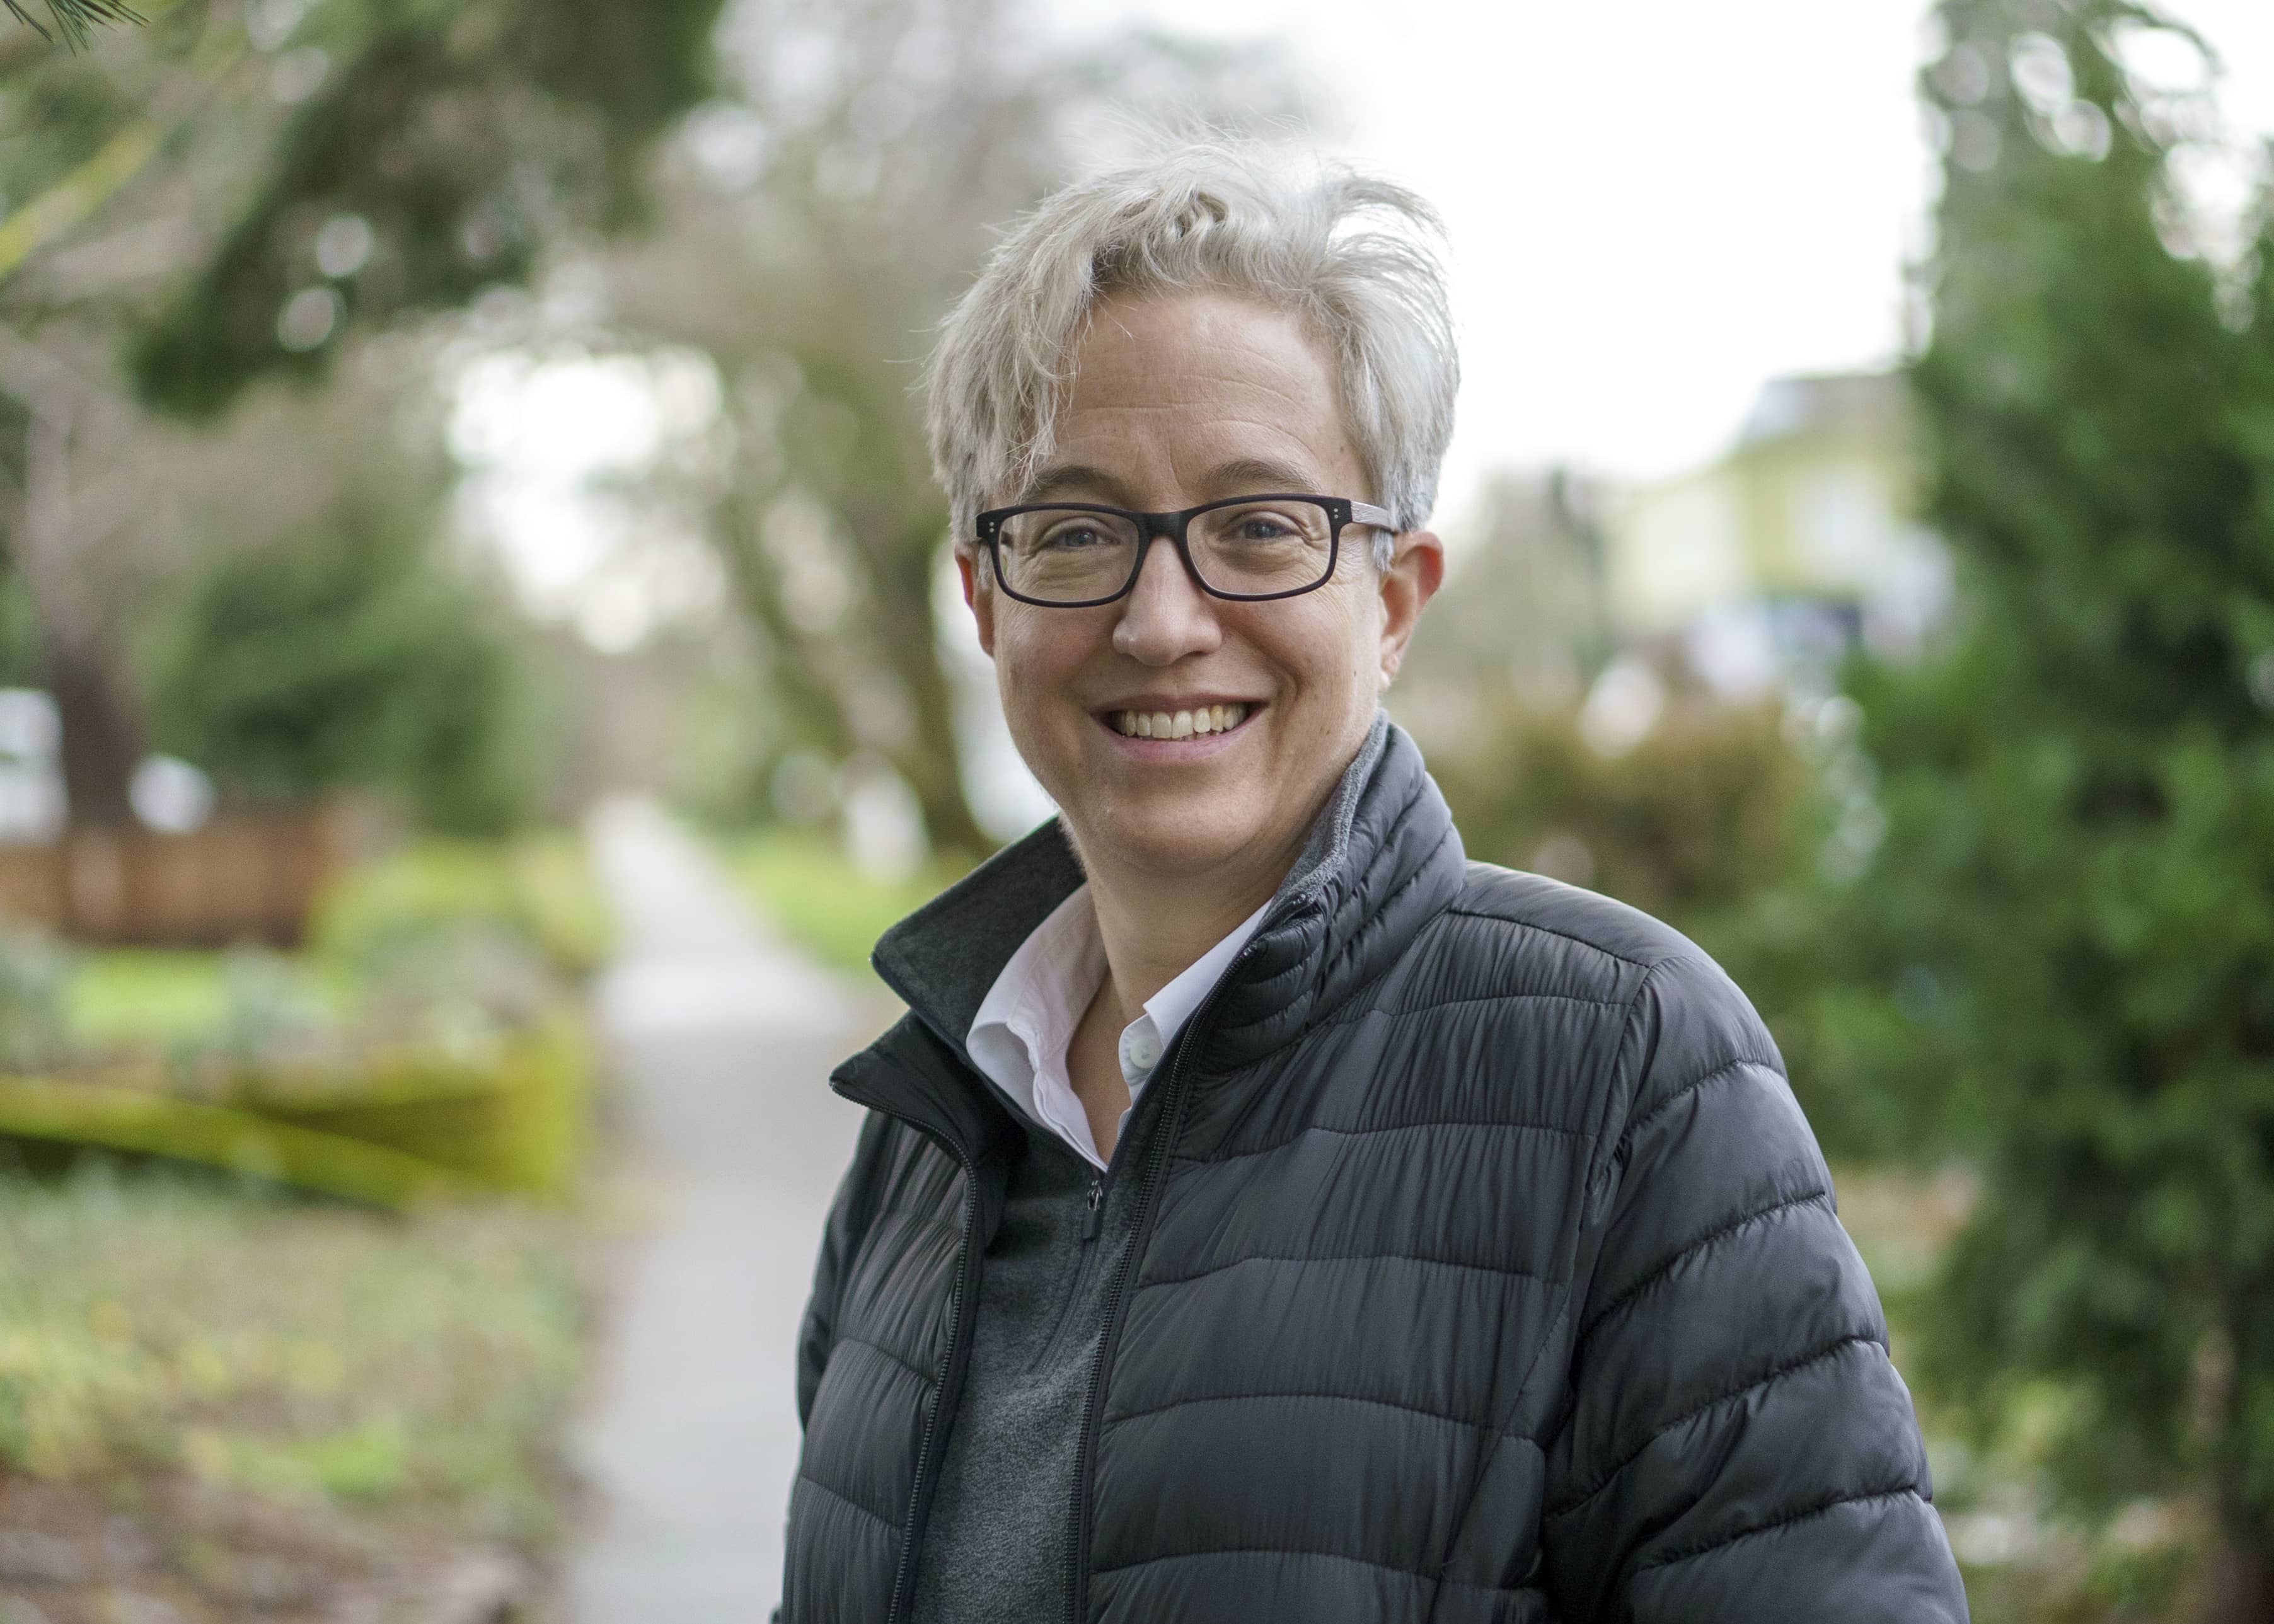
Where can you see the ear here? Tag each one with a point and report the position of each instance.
(1417, 569)
(978, 597)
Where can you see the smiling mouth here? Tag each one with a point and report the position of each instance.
(1177, 723)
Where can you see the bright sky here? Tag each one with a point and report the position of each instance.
(1653, 205)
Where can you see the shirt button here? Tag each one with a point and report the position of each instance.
(1141, 1050)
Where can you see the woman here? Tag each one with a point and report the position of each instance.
(1265, 1213)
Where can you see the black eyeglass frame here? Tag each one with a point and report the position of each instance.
(1341, 513)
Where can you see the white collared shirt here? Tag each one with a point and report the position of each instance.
(1019, 1037)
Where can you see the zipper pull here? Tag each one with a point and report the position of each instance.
(1095, 1218)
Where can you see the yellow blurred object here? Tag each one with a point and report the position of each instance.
(408, 1128)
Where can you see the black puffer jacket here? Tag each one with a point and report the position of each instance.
(1485, 1270)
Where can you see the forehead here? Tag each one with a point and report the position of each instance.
(1168, 389)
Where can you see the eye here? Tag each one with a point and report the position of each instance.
(1263, 527)
(1074, 536)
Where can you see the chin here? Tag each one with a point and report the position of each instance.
(1175, 839)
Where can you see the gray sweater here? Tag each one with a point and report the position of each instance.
(995, 1549)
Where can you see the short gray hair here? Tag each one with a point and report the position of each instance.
(1351, 256)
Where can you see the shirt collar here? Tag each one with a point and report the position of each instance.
(1030, 1012)
(1018, 1039)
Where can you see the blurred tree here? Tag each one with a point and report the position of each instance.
(817, 224)
(230, 191)
(348, 655)
(2074, 902)
(444, 145)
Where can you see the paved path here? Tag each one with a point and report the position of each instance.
(723, 1039)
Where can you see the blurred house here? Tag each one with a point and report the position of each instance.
(1761, 570)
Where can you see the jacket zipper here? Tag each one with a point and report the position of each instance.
(1092, 1220)
(1156, 1157)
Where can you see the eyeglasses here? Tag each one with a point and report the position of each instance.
(1076, 555)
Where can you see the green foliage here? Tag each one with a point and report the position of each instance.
(537, 888)
(463, 138)
(167, 1324)
(35, 970)
(2079, 790)
(20, 632)
(350, 655)
(803, 883)
(171, 1001)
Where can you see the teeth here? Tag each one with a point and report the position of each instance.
(1178, 724)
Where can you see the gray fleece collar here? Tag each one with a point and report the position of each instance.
(1327, 850)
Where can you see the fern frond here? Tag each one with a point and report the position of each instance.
(75, 20)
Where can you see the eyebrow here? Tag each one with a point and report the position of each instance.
(1068, 478)
(1241, 476)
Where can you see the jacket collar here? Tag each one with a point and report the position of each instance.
(1382, 859)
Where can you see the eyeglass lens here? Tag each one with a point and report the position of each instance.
(1250, 549)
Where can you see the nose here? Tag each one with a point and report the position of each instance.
(1166, 616)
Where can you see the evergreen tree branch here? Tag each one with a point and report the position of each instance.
(74, 19)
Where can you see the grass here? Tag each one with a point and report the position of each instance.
(164, 999)
(803, 883)
(537, 887)
(180, 1323)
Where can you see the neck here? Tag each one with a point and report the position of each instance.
(1154, 927)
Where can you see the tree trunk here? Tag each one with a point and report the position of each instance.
(2239, 1584)
(102, 736)
(2239, 1588)
(85, 671)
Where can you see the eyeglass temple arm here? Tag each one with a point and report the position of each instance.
(1366, 512)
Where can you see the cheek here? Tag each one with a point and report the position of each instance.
(1333, 657)
(1036, 651)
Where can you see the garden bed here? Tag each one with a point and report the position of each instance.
(226, 1392)
(234, 1404)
